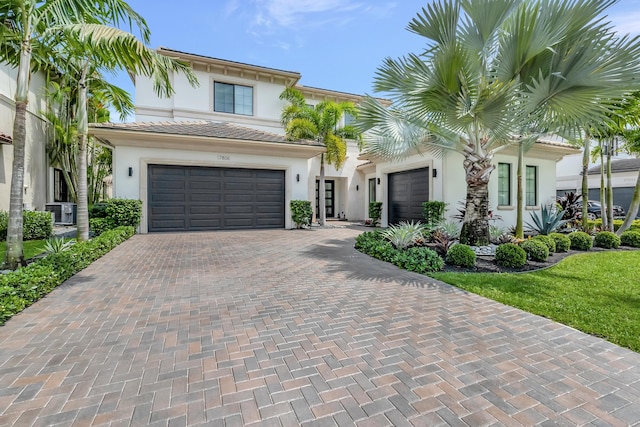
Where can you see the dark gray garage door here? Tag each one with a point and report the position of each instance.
(191, 198)
(407, 191)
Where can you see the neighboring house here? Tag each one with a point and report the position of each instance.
(624, 173)
(215, 157)
(38, 176)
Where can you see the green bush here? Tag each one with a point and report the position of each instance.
(26, 285)
(461, 255)
(419, 259)
(607, 240)
(536, 250)
(580, 241)
(375, 212)
(630, 238)
(98, 210)
(510, 255)
(301, 212)
(99, 225)
(597, 223)
(404, 234)
(548, 241)
(433, 212)
(36, 225)
(563, 243)
(123, 212)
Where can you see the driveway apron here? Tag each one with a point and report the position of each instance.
(294, 327)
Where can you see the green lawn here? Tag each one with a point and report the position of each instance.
(31, 248)
(597, 293)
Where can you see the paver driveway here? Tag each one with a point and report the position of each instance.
(294, 327)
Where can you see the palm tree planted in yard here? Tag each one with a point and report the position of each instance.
(320, 123)
(495, 72)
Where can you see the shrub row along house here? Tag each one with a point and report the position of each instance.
(215, 157)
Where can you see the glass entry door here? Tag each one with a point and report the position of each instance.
(329, 197)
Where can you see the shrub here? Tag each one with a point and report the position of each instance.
(374, 244)
(607, 240)
(419, 259)
(536, 250)
(98, 210)
(547, 221)
(26, 285)
(548, 241)
(301, 212)
(35, 225)
(617, 223)
(495, 233)
(442, 242)
(404, 234)
(510, 255)
(375, 212)
(123, 212)
(630, 238)
(563, 243)
(452, 228)
(99, 225)
(461, 255)
(433, 212)
(580, 241)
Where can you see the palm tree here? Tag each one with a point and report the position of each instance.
(30, 33)
(632, 146)
(94, 47)
(494, 72)
(319, 123)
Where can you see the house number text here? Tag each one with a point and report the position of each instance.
(222, 157)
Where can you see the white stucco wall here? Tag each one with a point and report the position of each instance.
(135, 187)
(36, 164)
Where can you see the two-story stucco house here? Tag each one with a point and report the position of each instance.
(215, 157)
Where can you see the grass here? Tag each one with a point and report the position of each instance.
(597, 293)
(31, 249)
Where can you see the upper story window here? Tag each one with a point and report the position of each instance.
(234, 99)
(348, 119)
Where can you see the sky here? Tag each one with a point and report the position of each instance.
(333, 44)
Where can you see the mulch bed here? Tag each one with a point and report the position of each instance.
(486, 264)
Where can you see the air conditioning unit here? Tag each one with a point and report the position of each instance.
(63, 213)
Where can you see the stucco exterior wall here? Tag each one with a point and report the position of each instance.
(36, 163)
(135, 186)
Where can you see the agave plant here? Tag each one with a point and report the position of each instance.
(547, 221)
(55, 245)
(452, 228)
(495, 232)
(404, 234)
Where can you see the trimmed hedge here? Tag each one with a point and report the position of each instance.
(580, 241)
(114, 213)
(461, 255)
(547, 240)
(607, 240)
(597, 223)
(23, 287)
(630, 238)
(563, 243)
(510, 255)
(417, 258)
(536, 250)
(36, 225)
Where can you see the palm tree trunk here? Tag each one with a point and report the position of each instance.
(83, 129)
(322, 215)
(519, 202)
(633, 208)
(603, 200)
(14, 256)
(475, 226)
(609, 191)
(585, 182)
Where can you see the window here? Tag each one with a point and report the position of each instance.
(372, 190)
(60, 190)
(531, 183)
(348, 119)
(235, 99)
(504, 184)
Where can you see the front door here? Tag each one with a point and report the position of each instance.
(329, 197)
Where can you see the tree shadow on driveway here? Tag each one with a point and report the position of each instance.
(344, 258)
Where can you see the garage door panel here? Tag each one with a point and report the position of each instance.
(183, 198)
(407, 191)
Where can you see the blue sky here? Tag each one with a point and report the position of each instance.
(334, 44)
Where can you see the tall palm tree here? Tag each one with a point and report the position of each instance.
(319, 123)
(91, 48)
(493, 72)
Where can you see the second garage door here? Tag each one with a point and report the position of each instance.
(407, 191)
(191, 198)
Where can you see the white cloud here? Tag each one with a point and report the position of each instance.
(300, 13)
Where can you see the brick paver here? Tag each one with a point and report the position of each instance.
(294, 328)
